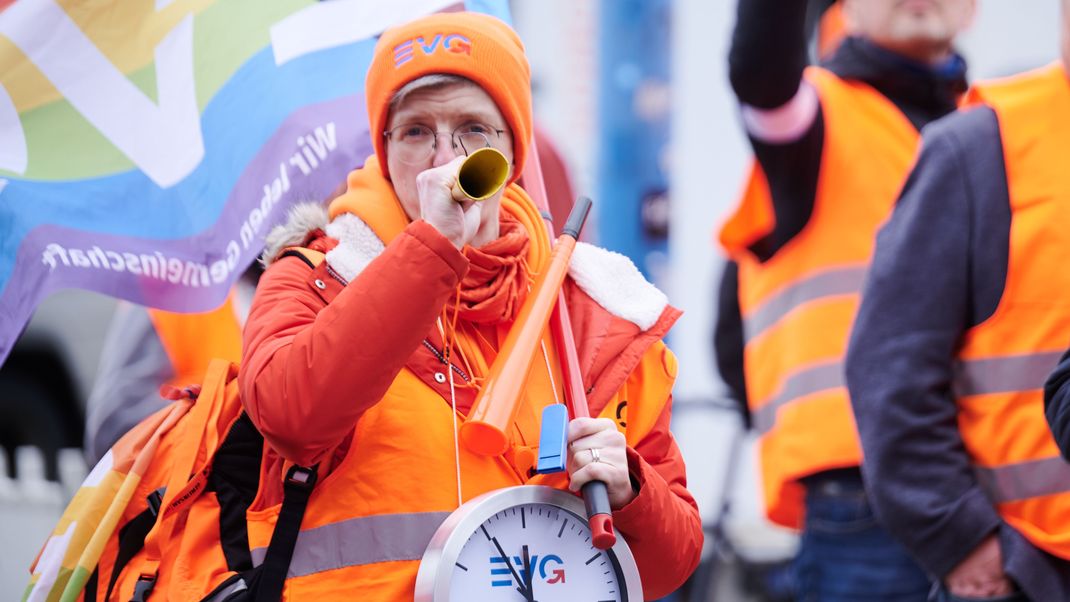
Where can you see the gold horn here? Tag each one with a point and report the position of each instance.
(481, 175)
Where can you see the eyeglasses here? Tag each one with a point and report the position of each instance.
(416, 143)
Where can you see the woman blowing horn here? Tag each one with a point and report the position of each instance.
(365, 363)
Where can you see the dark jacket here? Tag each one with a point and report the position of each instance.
(939, 269)
(1057, 404)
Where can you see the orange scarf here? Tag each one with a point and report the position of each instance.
(497, 280)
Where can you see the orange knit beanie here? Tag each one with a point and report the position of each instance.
(475, 46)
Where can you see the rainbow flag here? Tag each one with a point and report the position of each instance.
(147, 146)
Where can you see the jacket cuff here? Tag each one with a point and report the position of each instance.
(440, 245)
(966, 526)
(636, 512)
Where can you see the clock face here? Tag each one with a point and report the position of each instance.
(535, 552)
(524, 544)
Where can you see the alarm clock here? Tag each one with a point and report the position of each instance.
(524, 544)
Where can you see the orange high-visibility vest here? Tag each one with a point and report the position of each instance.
(369, 520)
(1004, 361)
(798, 306)
(192, 341)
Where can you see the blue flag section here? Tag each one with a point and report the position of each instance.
(634, 124)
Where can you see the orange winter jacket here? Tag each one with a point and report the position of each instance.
(348, 372)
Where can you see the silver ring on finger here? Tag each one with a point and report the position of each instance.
(596, 456)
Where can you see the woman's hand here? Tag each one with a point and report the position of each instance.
(608, 462)
(457, 221)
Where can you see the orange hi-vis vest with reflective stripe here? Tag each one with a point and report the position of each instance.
(798, 306)
(371, 516)
(1004, 361)
(369, 520)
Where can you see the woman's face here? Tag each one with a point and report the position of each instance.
(443, 109)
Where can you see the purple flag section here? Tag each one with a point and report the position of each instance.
(307, 157)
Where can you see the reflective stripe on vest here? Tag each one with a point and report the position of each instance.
(1003, 374)
(828, 283)
(359, 541)
(806, 382)
(1012, 374)
(1024, 480)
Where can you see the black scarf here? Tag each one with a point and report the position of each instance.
(922, 92)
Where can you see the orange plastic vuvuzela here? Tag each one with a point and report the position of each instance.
(595, 493)
(485, 431)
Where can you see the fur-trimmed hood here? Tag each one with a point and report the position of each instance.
(302, 221)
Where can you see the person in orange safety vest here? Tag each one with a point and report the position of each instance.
(361, 363)
(963, 315)
(832, 145)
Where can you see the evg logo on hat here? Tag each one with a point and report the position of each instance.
(454, 42)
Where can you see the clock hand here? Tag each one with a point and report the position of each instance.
(523, 591)
(528, 577)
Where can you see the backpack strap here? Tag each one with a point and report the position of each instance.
(132, 539)
(183, 487)
(272, 572)
(235, 480)
(265, 582)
